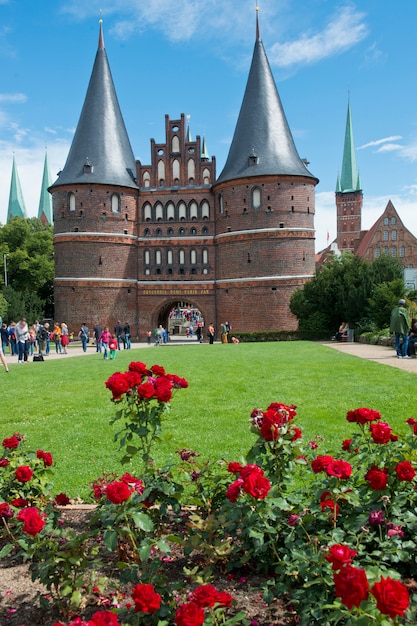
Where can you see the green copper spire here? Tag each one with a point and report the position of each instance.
(349, 179)
(204, 152)
(45, 200)
(16, 206)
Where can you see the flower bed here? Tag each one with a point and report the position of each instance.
(332, 538)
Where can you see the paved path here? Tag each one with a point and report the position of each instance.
(379, 354)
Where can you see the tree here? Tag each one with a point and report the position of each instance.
(26, 245)
(341, 291)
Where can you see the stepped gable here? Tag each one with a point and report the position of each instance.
(100, 151)
(262, 144)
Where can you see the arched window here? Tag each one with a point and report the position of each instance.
(181, 257)
(394, 235)
(385, 235)
(147, 212)
(220, 200)
(402, 251)
(115, 203)
(193, 210)
(170, 211)
(256, 198)
(182, 231)
(182, 211)
(175, 144)
(377, 252)
(170, 231)
(175, 169)
(146, 179)
(159, 212)
(206, 177)
(191, 170)
(205, 256)
(205, 230)
(170, 257)
(147, 257)
(193, 230)
(161, 172)
(158, 257)
(193, 256)
(205, 210)
(394, 251)
(386, 250)
(71, 201)
(147, 232)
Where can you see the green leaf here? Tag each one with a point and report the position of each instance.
(110, 540)
(143, 521)
(6, 550)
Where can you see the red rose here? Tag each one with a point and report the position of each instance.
(297, 434)
(346, 444)
(117, 492)
(4, 462)
(234, 467)
(381, 432)
(24, 473)
(11, 443)
(158, 370)
(207, 595)
(146, 391)
(140, 368)
(391, 596)
(136, 483)
(45, 456)
(363, 415)
(5, 510)
(351, 585)
(249, 469)
(377, 478)
(189, 614)
(32, 521)
(163, 393)
(320, 463)
(118, 384)
(340, 555)
(339, 469)
(233, 491)
(102, 618)
(332, 505)
(19, 502)
(177, 381)
(62, 499)
(286, 410)
(269, 428)
(145, 598)
(256, 486)
(405, 471)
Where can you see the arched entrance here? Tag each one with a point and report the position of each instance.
(181, 318)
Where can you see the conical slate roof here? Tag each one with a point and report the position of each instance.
(45, 200)
(349, 178)
(16, 206)
(262, 143)
(101, 150)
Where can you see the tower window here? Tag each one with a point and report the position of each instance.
(256, 198)
(115, 203)
(71, 201)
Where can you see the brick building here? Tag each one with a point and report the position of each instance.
(134, 241)
(388, 235)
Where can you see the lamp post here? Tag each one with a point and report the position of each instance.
(5, 268)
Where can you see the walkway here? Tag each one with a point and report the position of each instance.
(379, 354)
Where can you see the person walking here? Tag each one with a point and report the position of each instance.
(22, 336)
(399, 325)
(210, 333)
(84, 335)
(118, 331)
(97, 330)
(126, 332)
(4, 337)
(64, 337)
(56, 337)
(105, 339)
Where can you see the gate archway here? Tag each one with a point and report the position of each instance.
(181, 318)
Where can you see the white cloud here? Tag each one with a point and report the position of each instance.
(13, 97)
(378, 142)
(343, 31)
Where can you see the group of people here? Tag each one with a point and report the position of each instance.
(405, 333)
(108, 342)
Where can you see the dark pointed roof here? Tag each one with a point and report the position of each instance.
(100, 151)
(262, 143)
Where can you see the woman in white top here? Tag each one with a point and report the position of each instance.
(21, 332)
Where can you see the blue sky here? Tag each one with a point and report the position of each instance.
(192, 57)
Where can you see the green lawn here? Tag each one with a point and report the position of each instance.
(63, 407)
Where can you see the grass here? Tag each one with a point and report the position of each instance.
(62, 406)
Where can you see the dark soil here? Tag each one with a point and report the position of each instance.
(20, 597)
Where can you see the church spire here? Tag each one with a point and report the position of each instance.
(262, 143)
(100, 151)
(45, 200)
(16, 207)
(349, 178)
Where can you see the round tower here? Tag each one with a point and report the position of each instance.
(95, 212)
(264, 200)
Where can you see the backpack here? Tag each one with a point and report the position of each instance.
(43, 333)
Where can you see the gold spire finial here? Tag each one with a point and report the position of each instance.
(101, 17)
